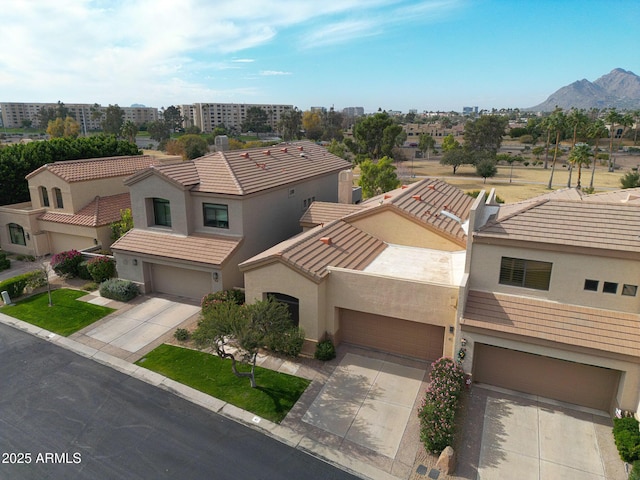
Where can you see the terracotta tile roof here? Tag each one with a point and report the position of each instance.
(325, 212)
(598, 329)
(242, 172)
(101, 211)
(578, 224)
(95, 168)
(337, 244)
(425, 200)
(198, 248)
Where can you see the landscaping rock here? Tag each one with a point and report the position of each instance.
(447, 461)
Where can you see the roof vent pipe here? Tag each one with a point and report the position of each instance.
(326, 240)
(267, 152)
(301, 148)
(245, 155)
(283, 150)
(417, 197)
(431, 187)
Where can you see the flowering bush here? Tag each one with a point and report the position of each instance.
(66, 263)
(101, 268)
(438, 409)
(234, 295)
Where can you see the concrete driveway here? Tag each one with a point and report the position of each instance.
(531, 438)
(134, 330)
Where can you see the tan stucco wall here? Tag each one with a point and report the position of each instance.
(394, 228)
(627, 397)
(142, 194)
(279, 278)
(22, 214)
(568, 274)
(64, 237)
(415, 301)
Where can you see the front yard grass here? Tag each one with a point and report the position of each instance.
(67, 315)
(275, 395)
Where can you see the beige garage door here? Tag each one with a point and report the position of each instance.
(393, 335)
(570, 382)
(180, 281)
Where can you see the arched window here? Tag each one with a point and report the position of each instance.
(45, 196)
(57, 193)
(16, 233)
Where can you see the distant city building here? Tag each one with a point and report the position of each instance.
(413, 110)
(208, 116)
(89, 116)
(318, 110)
(353, 111)
(469, 110)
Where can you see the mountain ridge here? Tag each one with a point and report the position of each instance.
(619, 88)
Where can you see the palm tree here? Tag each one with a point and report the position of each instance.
(557, 124)
(580, 154)
(596, 130)
(636, 124)
(577, 120)
(612, 117)
(129, 130)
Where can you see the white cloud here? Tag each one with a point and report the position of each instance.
(270, 73)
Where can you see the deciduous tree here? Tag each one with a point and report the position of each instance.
(172, 118)
(486, 167)
(485, 133)
(290, 124)
(312, 125)
(426, 143)
(63, 128)
(113, 120)
(375, 136)
(377, 177)
(256, 120)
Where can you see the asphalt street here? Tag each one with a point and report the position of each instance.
(63, 416)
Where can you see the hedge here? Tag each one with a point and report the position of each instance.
(627, 438)
(118, 289)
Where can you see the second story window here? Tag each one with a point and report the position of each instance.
(45, 196)
(161, 212)
(519, 272)
(215, 215)
(57, 193)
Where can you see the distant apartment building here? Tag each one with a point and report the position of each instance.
(436, 130)
(208, 116)
(469, 110)
(89, 116)
(319, 110)
(353, 111)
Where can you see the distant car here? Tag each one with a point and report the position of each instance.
(413, 144)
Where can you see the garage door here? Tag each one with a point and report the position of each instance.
(392, 335)
(569, 382)
(180, 281)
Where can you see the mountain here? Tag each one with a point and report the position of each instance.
(619, 88)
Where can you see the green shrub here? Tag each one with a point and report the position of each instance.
(15, 286)
(635, 471)
(101, 268)
(83, 271)
(90, 287)
(181, 334)
(325, 350)
(5, 263)
(287, 343)
(36, 279)
(234, 295)
(627, 438)
(118, 289)
(66, 263)
(438, 410)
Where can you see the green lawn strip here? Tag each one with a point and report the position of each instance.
(275, 395)
(66, 316)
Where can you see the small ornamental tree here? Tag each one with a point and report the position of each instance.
(438, 410)
(66, 263)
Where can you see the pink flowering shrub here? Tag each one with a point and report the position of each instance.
(233, 295)
(438, 410)
(66, 263)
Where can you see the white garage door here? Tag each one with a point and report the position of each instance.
(393, 335)
(180, 281)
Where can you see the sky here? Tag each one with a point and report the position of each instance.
(426, 55)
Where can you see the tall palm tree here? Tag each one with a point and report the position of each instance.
(557, 124)
(577, 120)
(596, 130)
(580, 155)
(612, 117)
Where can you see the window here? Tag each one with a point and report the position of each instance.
(161, 212)
(57, 193)
(591, 285)
(525, 273)
(45, 196)
(215, 215)
(629, 290)
(610, 287)
(16, 232)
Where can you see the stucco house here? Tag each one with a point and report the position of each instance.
(195, 221)
(552, 305)
(383, 274)
(72, 205)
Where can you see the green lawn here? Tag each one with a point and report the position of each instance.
(66, 316)
(275, 395)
